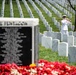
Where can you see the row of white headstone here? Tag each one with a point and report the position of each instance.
(3, 7)
(65, 45)
(61, 8)
(11, 9)
(65, 4)
(41, 16)
(44, 20)
(38, 11)
(58, 13)
(54, 19)
(56, 23)
(28, 8)
(44, 8)
(20, 9)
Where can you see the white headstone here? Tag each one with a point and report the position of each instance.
(43, 42)
(75, 41)
(59, 35)
(63, 49)
(70, 32)
(74, 34)
(48, 33)
(55, 44)
(48, 43)
(70, 41)
(64, 37)
(40, 37)
(72, 54)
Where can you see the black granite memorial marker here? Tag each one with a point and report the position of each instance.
(19, 40)
(16, 45)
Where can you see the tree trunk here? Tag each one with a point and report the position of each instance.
(75, 13)
(75, 22)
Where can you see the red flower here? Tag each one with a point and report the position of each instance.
(44, 68)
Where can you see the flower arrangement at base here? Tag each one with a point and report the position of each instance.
(44, 68)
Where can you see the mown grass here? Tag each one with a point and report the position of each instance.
(7, 10)
(50, 55)
(25, 12)
(15, 10)
(0, 6)
(44, 53)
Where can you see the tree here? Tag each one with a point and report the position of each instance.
(74, 8)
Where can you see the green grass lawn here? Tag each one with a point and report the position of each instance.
(46, 54)
(50, 55)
